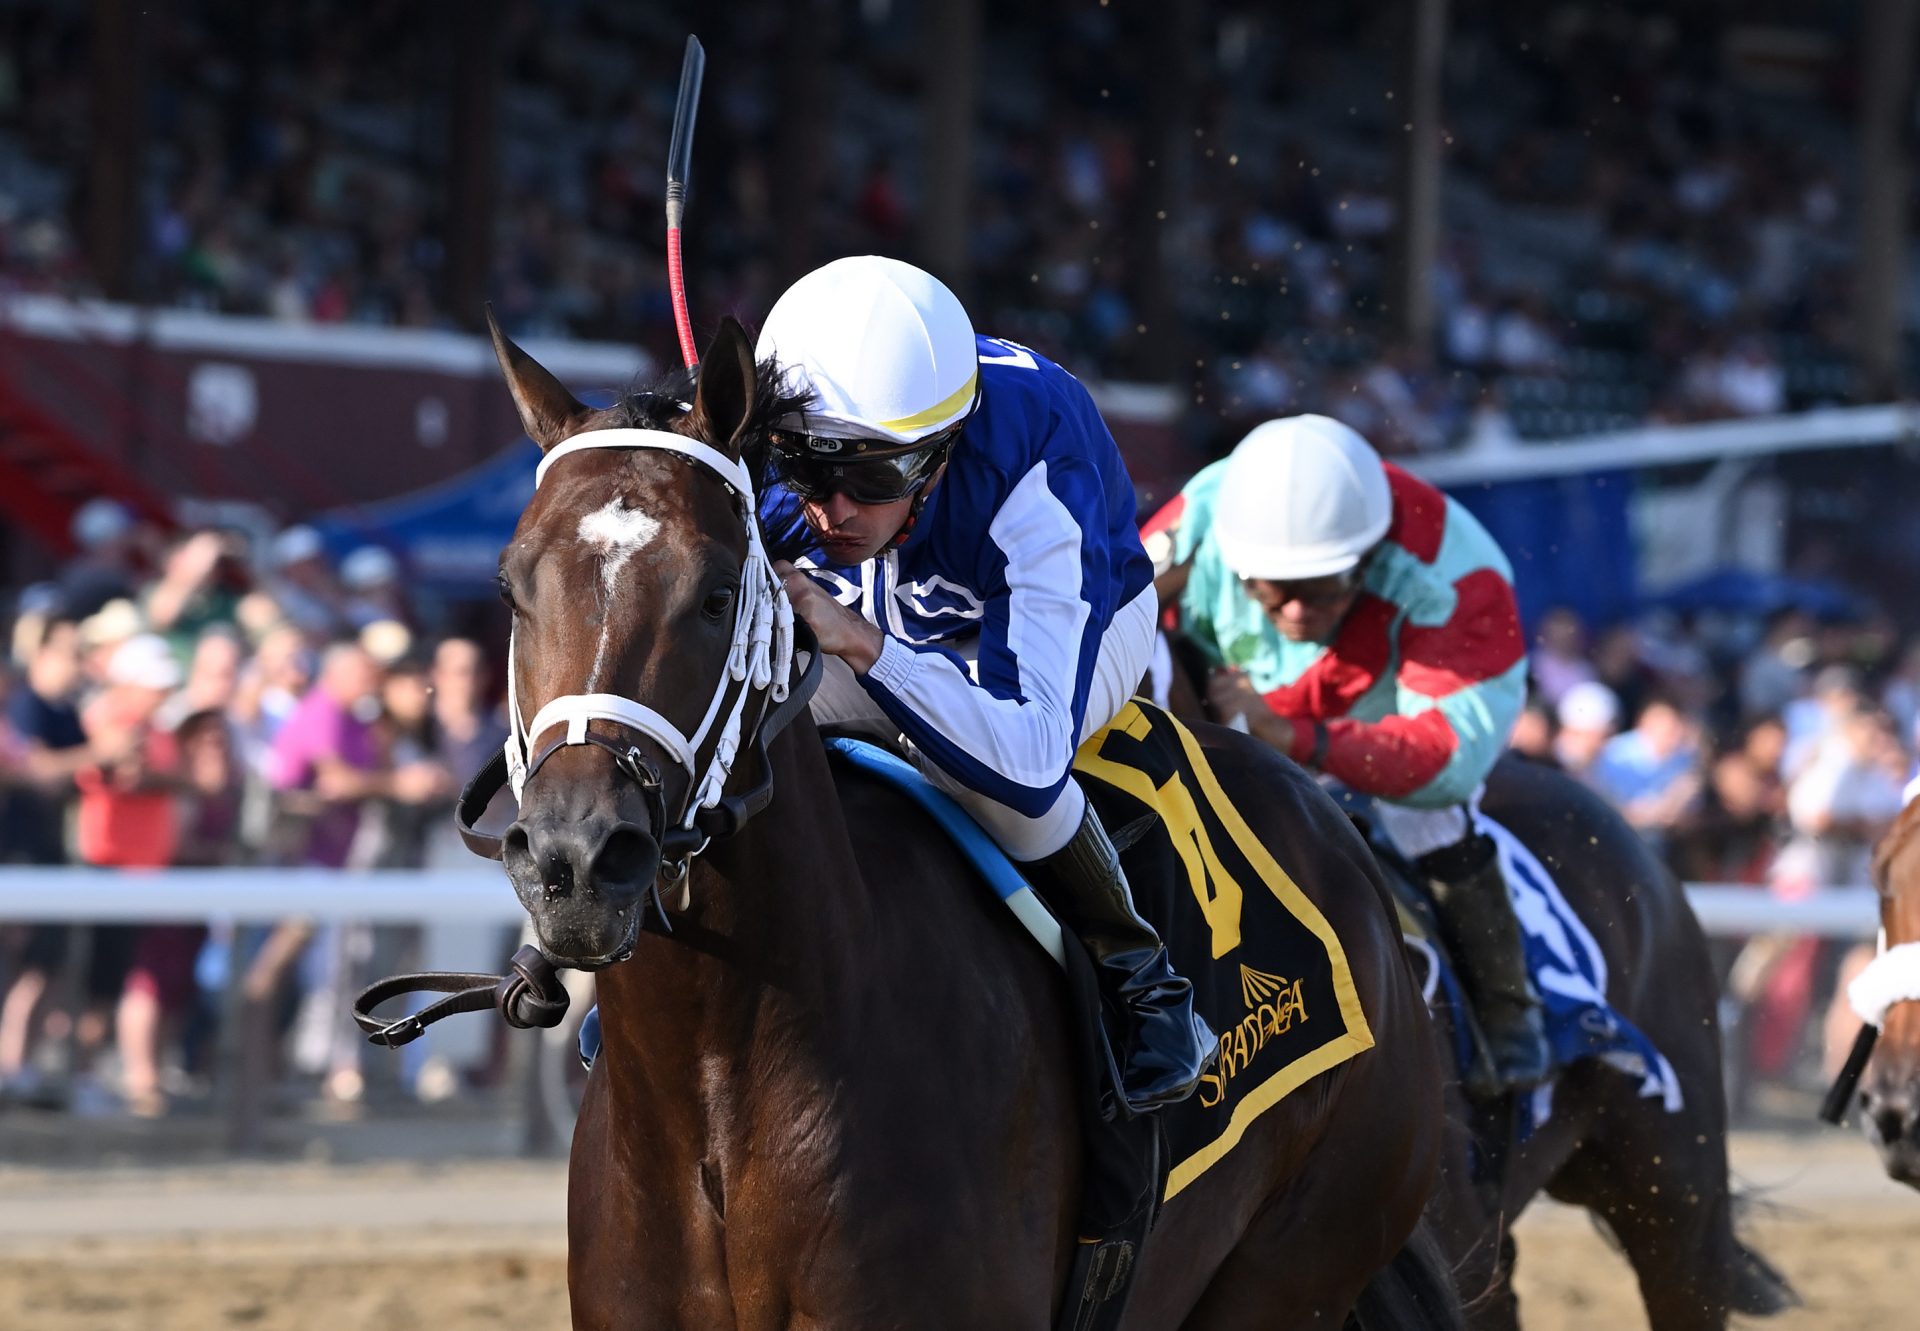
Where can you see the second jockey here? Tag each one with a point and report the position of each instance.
(1365, 624)
(962, 537)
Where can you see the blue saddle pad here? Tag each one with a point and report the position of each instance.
(969, 836)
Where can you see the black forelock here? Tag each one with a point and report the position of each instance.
(663, 404)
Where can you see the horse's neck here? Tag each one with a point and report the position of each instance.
(766, 952)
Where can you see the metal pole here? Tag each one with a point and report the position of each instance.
(1886, 111)
(1416, 238)
(115, 153)
(950, 56)
(472, 149)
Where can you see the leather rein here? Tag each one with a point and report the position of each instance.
(767, 636)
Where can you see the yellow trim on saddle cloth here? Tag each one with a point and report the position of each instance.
(1221, 906)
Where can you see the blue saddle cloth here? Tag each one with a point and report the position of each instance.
(1568, 969)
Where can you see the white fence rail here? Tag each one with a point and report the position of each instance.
(379, 896)
(482, 896)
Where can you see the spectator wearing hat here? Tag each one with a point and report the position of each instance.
(1588, 713)
(101, 635)
(1651, 773)
(107, 534)
(126, 815)
(371, 576)
(303, 586)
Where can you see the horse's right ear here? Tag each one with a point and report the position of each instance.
(724, 396)
(548, 412)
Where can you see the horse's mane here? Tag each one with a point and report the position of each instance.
(663, 405)
(1899, 838)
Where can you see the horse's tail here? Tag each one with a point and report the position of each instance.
(1413, 1292)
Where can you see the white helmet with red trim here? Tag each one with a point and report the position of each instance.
(1303, 497)
(885, 350)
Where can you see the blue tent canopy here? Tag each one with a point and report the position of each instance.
(447, 537)
(1743, 591)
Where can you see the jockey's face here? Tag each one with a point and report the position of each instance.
(852, 532)
(1307, 610)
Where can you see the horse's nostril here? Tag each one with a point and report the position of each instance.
(515, 841)
(625, 858)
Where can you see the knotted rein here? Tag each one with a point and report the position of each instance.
(759, 663)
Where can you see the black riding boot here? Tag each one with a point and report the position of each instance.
(1167, 1046)
(1478, 923)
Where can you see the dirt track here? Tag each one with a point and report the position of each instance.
(481, 1246)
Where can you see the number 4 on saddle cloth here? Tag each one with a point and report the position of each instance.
(1567, 966)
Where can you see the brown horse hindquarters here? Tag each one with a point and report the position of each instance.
(1659, 1179)
(1327, 1186)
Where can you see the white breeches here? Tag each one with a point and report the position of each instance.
(1125, 651)
(1417, 832)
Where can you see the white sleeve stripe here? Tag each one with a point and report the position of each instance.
(1029, 742)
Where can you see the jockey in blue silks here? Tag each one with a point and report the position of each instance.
(962, 539)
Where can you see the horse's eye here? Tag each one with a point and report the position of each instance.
(506, 590)
(718, 602)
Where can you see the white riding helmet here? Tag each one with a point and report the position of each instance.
(885, 349)
(1303, 497)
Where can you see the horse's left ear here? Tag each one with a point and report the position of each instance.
(723, 399)
(548, 412)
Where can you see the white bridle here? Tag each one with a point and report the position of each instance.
(759, 658)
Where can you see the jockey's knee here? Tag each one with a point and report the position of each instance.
(1472, 852)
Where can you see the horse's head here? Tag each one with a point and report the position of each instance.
(1890, 1090)
(643, 618)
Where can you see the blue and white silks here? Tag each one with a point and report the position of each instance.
(1029, 542)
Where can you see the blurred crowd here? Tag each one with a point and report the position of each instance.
(1639, 225)
(199, 702)
(188, 704)
(1772, 752)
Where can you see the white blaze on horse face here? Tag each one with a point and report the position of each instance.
(620, 533)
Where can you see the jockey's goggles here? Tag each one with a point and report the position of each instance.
(1322, 593)
(815, 467)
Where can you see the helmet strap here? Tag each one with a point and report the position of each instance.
(919, 502)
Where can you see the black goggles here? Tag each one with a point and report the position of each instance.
(806, 466)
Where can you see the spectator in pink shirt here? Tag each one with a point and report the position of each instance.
(326, 760)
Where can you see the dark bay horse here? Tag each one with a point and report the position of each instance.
(1657, 1180)
(1889, 1096)
(840, 1093)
